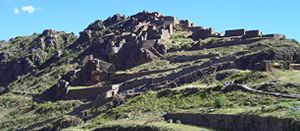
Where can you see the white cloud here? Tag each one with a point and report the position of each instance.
(16, 11)
(28, 9)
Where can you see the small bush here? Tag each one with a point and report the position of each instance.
(295, 41)
(45, 108)
(220, 101)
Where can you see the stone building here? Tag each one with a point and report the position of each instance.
(276, 36)
(236, 32)
(253, 34)
(170, 20)
(160, 34)
(201, 33)
(185, 23)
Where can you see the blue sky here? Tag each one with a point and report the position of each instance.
(24, 17)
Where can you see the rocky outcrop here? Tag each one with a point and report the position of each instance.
(11, 70)
(49, 44)
(34, 51)
(53, 39)
(236, 122)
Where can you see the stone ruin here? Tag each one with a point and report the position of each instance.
(131, 41)
(92, 72)
(63, 92)
(269, 66)
(253, 34)
(186, 23)
(120, 42)
(276, 36)
(202, 33)
(236, 32)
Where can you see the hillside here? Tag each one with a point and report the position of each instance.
(150, 72)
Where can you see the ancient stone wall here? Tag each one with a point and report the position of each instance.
(226, 44)
(253, 33)
(295, 66)
(237, 32)
(277, 36)
(201, 33)
(170, 20)
(87, 93)
(91, 93)
(269, 66)
(185, 23)
(236, 122)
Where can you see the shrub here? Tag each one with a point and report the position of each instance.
(220, 101)
(45, 108)
(295, 41)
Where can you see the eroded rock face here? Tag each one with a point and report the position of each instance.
(33, 52)
(53, 39)
(92, 72)
(11, 70)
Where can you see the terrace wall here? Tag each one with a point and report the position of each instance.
(89, 93)
(236, 122)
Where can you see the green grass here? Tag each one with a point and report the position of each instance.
(179, 40)
(174, 101)
(19, 111)
(159, 126)
(291, 76)
(249, 77)
(149, 107)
